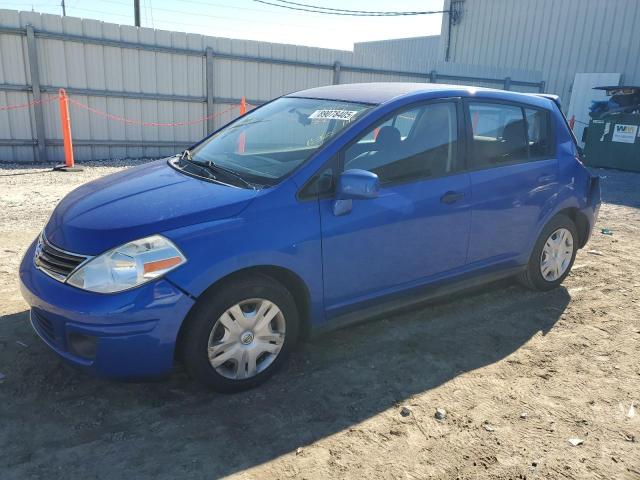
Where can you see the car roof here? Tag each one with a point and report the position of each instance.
(383, 92)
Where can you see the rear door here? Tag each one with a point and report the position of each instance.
(514, 175)
(418, 227)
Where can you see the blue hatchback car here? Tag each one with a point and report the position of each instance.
(318, 209)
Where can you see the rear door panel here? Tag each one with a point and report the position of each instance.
(508, 202)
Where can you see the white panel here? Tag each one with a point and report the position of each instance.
(196, 87)
(180, 82)
(148, 84)
(582, 94)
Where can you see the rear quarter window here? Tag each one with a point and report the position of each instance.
(539, 133)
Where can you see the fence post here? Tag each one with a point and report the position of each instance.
(336, 72)
(507, 83)
(210, 93)
(35, 88)
(433, 76)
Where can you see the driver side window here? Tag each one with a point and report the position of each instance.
(415, 143)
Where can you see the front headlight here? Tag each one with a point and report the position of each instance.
(128, 265)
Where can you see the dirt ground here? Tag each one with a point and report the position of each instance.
(519, 374)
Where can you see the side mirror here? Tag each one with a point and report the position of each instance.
(352, 185)
(357, 184)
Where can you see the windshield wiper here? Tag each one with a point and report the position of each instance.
(214, 167)
(186, 157)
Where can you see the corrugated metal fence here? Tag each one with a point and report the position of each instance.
(157, 76)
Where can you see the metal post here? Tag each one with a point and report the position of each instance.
(507, 83)
(210, 93)
(64, 9)
(136, 12)
(449, 13)
(433, 76)
(543, 86)
(41, 152)
(336, 72)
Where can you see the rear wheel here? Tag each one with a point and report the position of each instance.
(241, 334)
(552, 256)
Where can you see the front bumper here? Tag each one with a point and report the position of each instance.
(134, 331)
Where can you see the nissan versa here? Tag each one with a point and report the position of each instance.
(317, 209)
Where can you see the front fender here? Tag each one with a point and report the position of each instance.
(276, 230)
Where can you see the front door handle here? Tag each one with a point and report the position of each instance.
(451, 197)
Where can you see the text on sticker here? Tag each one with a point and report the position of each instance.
(345, 115)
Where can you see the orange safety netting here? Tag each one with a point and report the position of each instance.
(242, 106)
(130, 121)
(29, 104)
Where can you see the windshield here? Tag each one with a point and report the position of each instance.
(268, 143)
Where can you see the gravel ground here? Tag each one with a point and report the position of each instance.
(518, 373)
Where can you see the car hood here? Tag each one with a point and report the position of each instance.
(138, 202)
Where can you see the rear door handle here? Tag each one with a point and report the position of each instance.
(451, 197)
(546, 178)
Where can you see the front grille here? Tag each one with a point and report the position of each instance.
(55, 262)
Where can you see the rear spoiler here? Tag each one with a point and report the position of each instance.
(554, 98)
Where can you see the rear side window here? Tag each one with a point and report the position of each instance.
(504, 134)
(499, 134)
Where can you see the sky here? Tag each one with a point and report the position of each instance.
(248, 19)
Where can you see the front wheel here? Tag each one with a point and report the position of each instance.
(553, 255)
(240, 334)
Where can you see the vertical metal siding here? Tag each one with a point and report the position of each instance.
(419, 53)
(14, 69)
(559, 39)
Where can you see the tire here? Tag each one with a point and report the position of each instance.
(221, 349)
(533, 276)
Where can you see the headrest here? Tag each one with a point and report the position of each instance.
(388, 136)
(514, 132)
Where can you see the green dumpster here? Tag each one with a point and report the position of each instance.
(613, 141)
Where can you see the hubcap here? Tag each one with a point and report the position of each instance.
(556, 255)
(246, 339)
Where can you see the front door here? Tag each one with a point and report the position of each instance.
(417, 228)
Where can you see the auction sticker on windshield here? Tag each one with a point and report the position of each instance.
(345, 115)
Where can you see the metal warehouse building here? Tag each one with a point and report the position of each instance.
(557, 38)
(552, 39)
